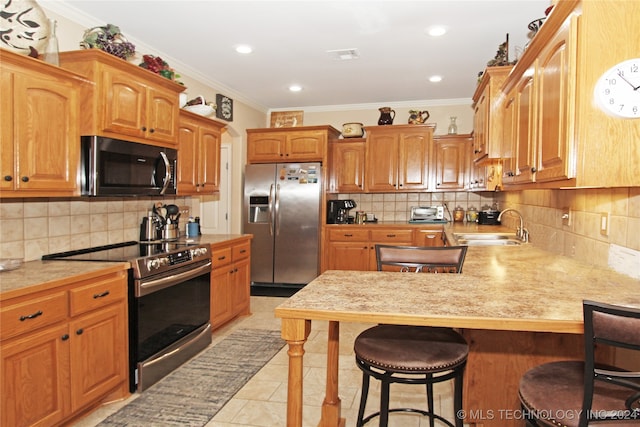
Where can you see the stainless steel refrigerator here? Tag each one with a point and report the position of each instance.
(282, 211)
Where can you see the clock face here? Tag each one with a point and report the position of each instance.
(618, 90)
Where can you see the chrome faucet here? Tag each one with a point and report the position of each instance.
(521, 232)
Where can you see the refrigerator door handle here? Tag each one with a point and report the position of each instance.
(271, 209)
(277, 211)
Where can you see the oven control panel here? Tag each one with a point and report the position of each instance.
(164, 262)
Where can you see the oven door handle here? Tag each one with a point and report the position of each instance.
(151, 286)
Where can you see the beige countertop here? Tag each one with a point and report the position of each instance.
(519, 288)
(39, 275)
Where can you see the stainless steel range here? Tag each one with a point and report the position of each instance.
(169, 303)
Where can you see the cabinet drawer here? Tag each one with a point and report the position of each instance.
(220, 257)
(16, 319)
(241, 251)
(348, 235)
(392, 236)
(96, 295)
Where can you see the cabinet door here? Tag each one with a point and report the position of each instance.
(526, 132)
(35, 371)
(382, 161)
(556, 88)
(508, 147)
(347, 167)
(161, 121)
(349, 256)
(209, 161)
(99, 354)
(241, 287)
(305, 146)
(7, 172)
(414, 160)
(187, 158)
(265, 148)
(46, 134)
(480, 126)
(450, 160)
(221, 297)
(124, 108)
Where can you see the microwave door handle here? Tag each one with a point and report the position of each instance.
(167, 176)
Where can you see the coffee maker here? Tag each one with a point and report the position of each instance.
(338, 211)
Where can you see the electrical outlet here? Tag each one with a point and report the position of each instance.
(604, 223)
(566, 216)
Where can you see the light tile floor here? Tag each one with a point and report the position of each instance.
(262, 401)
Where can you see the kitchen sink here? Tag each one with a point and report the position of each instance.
(487, 239)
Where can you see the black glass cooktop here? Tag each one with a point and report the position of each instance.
(125, 251)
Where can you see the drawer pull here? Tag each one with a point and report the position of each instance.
(102, 295)
(221, 258)
(243, 251)
(391, 235)
(64, 337)
(80, 331)
(348, 235)
(31, 316)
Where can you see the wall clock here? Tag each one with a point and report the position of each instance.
(618, 90)
(224, 107)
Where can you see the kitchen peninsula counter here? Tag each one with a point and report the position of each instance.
(517, 306)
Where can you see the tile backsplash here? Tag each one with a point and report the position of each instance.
(30, 228)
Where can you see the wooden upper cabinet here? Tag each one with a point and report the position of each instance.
(198, 154)
(347, 165)
(556, 76)
(487, 123)
(40, 128)
(303, 144)
(562, 137)
(508, 147)
(398, 158)
(450, 154)
(127, 101)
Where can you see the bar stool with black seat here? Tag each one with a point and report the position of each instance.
(413, 354)
(579, 393)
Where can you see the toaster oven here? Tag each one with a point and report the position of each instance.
(427, 214)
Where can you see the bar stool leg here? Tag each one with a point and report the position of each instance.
(457, 399)
(363, 399)
(430, 401)
(384, 403)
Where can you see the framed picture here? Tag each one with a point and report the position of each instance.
(286, 119)
(224, 107)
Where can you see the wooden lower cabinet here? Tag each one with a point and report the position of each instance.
(230, 280)
(353, 248)
(69, 353)
(426, 237)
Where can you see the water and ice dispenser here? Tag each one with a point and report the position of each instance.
(259, 209)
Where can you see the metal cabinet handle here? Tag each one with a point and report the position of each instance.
(152, 130)
(80, 331)
(101, 295)
(144, 128)
(25, 179)
(8, 178)
(31, 316)
(64, 337)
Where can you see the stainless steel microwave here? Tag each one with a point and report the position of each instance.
(112, 167)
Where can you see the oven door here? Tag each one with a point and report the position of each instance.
(169, 321)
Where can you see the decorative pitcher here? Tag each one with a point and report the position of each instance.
(418, 117)
(386, 118)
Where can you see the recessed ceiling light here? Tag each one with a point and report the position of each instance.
(344, 54)
(295, 88)
(436, 31)
(435, 79)
(243, 48)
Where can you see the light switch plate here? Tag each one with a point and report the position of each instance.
(604, 223)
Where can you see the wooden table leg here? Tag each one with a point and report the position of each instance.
(331, 406)
(295, 332)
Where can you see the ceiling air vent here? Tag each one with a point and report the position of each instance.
(344, 54)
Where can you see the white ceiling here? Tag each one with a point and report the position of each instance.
(291, 39)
